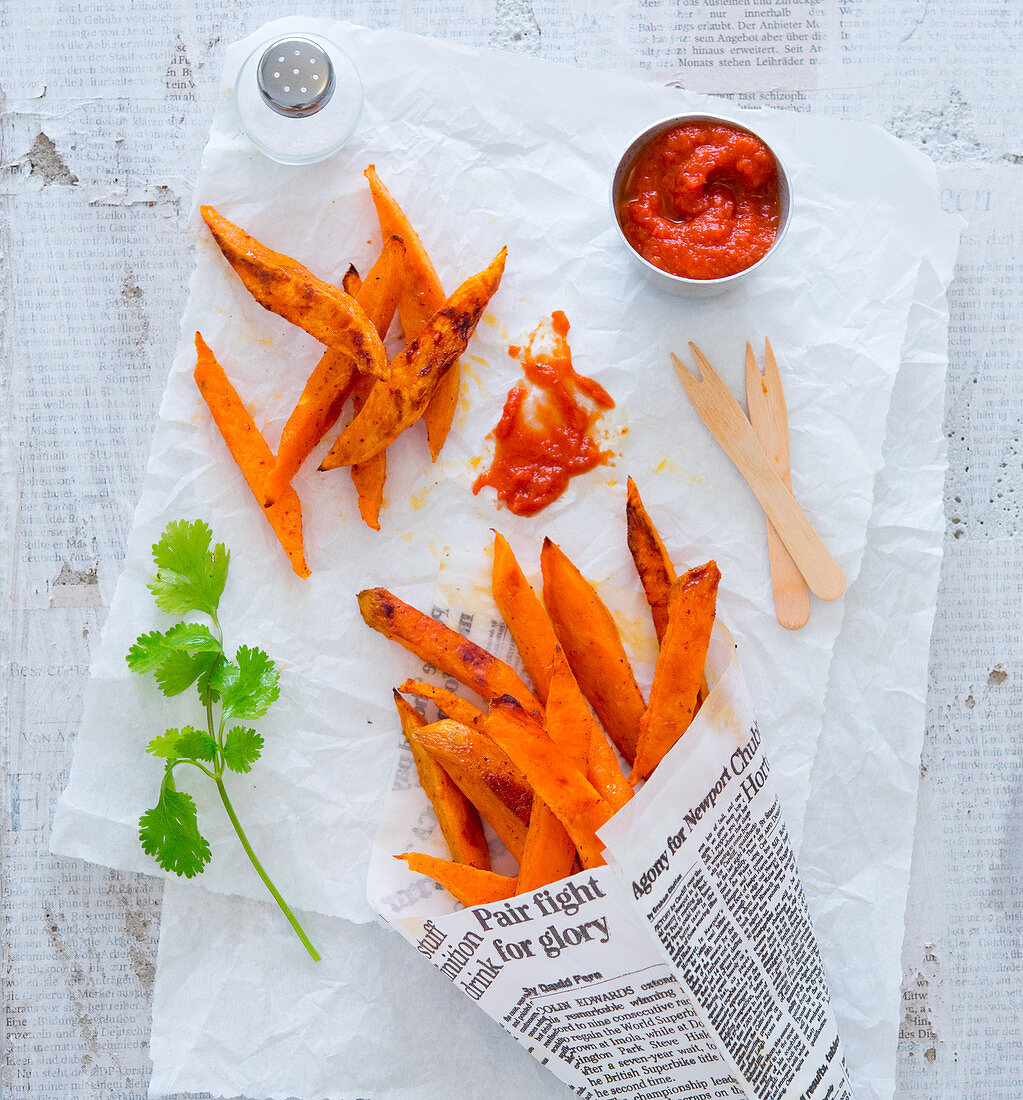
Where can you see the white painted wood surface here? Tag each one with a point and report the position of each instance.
(104, 108)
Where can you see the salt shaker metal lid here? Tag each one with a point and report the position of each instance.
(299, 97)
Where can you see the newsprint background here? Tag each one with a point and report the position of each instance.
(105, 106)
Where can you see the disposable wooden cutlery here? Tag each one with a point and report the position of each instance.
(726, 421)
(765, 404)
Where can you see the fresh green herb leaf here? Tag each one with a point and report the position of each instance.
(248, 685)
(195, 637)
(187, 743)
(152, 650)
(148, 652)
(169, 832)
(189, 576)
(242, 747)
(180, 669)
(166, 745)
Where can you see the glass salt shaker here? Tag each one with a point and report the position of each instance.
(299, 97)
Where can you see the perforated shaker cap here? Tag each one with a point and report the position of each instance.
(299, 97)
(295, 77)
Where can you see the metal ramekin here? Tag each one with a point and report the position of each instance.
(679, 284)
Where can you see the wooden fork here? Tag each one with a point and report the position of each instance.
(765, 403)
(726, 421)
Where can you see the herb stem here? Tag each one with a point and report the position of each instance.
(292, 919)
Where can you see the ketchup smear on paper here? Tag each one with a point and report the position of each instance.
(544, 436)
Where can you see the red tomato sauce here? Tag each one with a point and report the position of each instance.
(701, 200)
(544, 437)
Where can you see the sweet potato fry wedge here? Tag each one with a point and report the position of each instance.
(525, 616)
(469, 885)
(458, 818)
(570, 722)
(593, 646)
(396, 404)
(422, 297)
(439, 413)
(325, 395)
(678, 673)
(656, 573)
(249, 450)
(335, 376)
(368, 477)
(283, 286)
(485, 775)
(604, 771)
(351, 280)
(564, 788)
(567, 716)
(443, 648)
(450, 704)
(549, 853)
(423, 293)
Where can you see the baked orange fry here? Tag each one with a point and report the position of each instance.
(444, 648)
(335, 376)
(469, 885)
(604, 771)
(450, 704)
(525, 617)
(678, 673)
(571, 724)
(564, 788)
(485, 775)
(422, 296)
(656, 573)
(593, 646)
(283, 286)
(567, 715)
(368, 477)
(549, 853)
(351, 280)
(458, 819)
(397, 403)
(249, 450)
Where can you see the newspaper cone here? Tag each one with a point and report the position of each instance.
(686, 968)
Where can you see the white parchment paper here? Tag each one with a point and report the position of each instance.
(220, 983)
(487, 149)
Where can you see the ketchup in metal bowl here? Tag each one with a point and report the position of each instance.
(701, 200)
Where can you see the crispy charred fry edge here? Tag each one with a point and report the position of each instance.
(335, 377)
(546, 777)
(396, 404)
(442, 647)
(283, 286)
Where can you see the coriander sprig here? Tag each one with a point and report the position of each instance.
(190, 577)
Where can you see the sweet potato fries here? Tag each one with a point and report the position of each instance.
(352, 321)
(536, 764)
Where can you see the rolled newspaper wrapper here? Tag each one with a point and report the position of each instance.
(687, 967)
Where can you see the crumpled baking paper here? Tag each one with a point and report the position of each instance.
(220, 987)
(485, 149)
